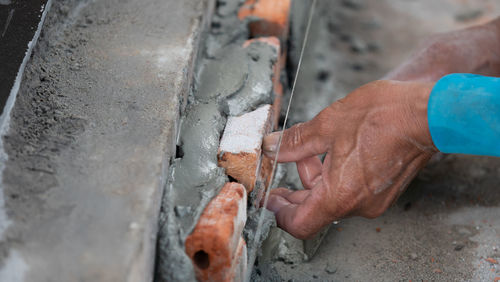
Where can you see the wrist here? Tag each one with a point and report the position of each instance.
(418, 124)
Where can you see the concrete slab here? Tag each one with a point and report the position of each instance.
(91, 136)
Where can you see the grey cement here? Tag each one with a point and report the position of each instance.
(199, 141)
(194, 180)
(223, 75)
(259, 88)
(91, 136)
(254, 244)
(239, 79)
(446, 223)
(279, 245)
(226, 27)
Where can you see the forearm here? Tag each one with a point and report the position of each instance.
(464, 114)
(472, 50)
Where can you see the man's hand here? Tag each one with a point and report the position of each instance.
(376, 140)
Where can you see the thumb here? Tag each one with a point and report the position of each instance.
(301, 141)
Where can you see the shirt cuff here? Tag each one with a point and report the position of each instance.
(463, 113)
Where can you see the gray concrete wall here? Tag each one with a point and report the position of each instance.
(91, 136)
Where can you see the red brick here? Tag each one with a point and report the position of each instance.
(240, 147)
(215, 245)
(273, 17)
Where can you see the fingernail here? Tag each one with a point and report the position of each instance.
(270, 143)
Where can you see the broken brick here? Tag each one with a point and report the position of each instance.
(491, 260)
(215, 245)
(271, 17)
(240, 150)
(277, 68)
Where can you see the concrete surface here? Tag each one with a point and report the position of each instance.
(91, 135)
(447, 223)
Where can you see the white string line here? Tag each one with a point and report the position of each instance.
(256, 239)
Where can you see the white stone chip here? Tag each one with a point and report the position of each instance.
(244, 133)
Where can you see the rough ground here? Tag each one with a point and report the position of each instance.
(448, 222)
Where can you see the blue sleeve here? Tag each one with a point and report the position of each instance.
(464, 114)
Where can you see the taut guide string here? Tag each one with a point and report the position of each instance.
(252, 256)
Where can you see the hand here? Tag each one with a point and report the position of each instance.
(376, 140)
(472, 50)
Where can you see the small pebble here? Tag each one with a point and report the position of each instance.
(463, 231)
(373, 47)
(330, 269)
(413, 256)
(357, 67)
(182, 211)
(323, 75)
(459, 247)
(358, 45)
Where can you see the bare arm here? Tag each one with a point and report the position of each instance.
(473, 50)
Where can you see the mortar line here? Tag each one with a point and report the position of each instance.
(256, 239)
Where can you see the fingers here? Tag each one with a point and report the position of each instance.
(302, 220)
(310, 171)
(295, 197)
(300, 141)
(297, 212)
